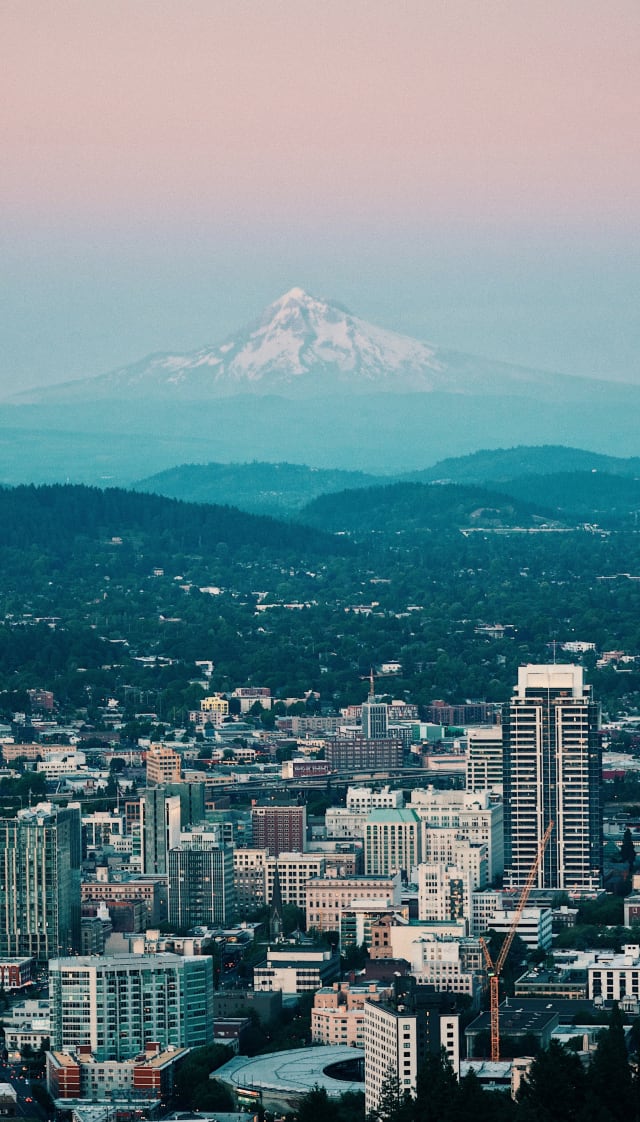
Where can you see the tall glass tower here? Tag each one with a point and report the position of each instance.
(553, 772)
(40, 855)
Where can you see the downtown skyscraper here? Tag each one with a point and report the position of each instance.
(553, 773)
(40, 855)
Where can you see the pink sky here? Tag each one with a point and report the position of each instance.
(274, 108)
(467, 171)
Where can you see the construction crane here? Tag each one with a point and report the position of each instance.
(495, 970)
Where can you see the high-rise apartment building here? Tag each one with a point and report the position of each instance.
(399, 1033)
(113, 1007)
(40, 857)
(201, 887)
(553, 773)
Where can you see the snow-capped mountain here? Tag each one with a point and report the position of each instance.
(303, 346)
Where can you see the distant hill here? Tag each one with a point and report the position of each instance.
(593, 496)
(500, 464)
(262, 488)
(63, 519)
(406, 507)
(572, 483)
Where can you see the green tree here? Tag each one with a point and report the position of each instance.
(609, 1079)
(437, 1089)
(628, 850)
(316, 1106)
(554, 1089)
(194, 1090)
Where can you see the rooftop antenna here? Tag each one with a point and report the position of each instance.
(372, 691)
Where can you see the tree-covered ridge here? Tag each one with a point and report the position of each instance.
(56, 518)
(592, 495)
(266, 488)
(403, 507)
(502, 464)
(292, 609)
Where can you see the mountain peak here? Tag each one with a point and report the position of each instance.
(303, 346)
(295, 296)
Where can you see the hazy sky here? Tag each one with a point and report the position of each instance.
(467, 171)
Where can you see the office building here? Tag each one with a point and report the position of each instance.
(280, 829)
(484, 758)
(249, 879)
(375, 716)
(160, 821)
(40, 858)
(114, 1007)
(295, 870)
(392, 842)
(361, 800)
(201, 887)
(553, 773)
(327, 896)
(444, 892)
(450, 965)
(337, 1016)
(163, 765)
(361, 753)
(472, 815)
(295, 969)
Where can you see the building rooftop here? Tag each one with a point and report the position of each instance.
(516, 1020)
(392, 814)
(296, 1071)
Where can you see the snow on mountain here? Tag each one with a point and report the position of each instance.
(303, 346)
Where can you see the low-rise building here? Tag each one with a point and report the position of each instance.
(75, 1075)
(16, 973)
(26, 1023)
(337, 1016)
(534, 926)
(614, 977)
(327, 896)
(295, 969)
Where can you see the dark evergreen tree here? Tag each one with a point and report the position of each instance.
(316, 1106)
(554, 1089)
(609, 1078)
(437, 1090)
(628, 850)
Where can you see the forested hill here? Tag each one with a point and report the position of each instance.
(60, 518)
(416, 506)
(501, 464)
(262, 488)
(594, 496)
